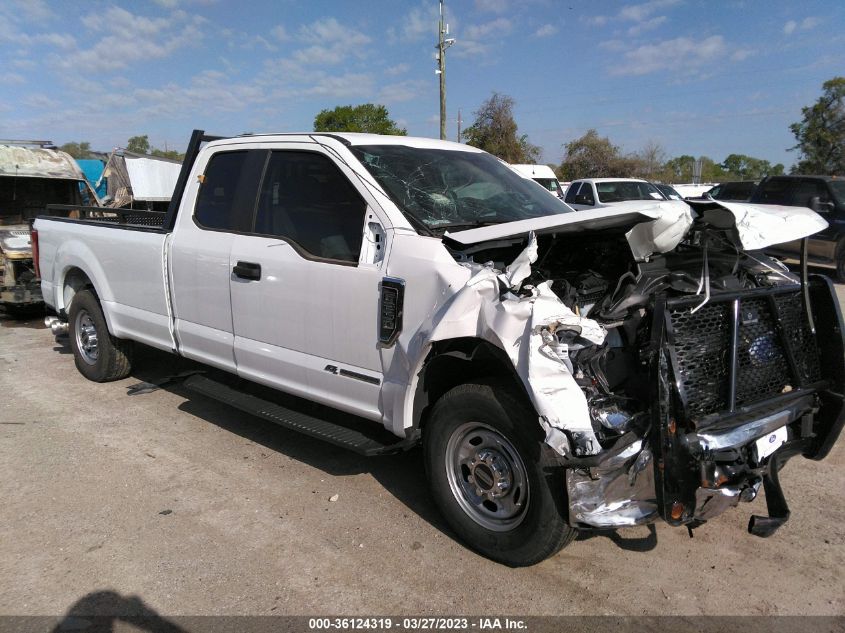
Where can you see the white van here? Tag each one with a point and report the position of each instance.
(542, 174)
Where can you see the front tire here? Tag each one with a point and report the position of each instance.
(484, 459)
(98, 355)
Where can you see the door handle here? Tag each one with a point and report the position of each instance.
(247, 270)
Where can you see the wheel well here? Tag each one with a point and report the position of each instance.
(75, 280)
(459, 361)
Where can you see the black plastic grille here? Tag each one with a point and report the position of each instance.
(702, 347)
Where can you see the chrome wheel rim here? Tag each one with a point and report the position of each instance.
(487, 476)
(86, 337)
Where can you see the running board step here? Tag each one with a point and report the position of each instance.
(345, 437)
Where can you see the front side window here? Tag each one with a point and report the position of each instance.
(806, 190)
(622, 190)
(439, 189)
(306, 200)
(838, 189)
(226, 198)
(572, 192)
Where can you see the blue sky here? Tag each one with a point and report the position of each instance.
(701, 77)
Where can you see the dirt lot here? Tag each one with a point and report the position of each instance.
(196, 508)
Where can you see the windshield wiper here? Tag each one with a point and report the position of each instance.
(473, 224)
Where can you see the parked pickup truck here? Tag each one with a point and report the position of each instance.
(824, 194)
(562, 370)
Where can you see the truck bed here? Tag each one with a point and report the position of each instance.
(122, 254)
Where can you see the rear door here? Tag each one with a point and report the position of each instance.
(200, 253)
(304, 299)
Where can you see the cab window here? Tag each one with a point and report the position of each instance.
(307, 200)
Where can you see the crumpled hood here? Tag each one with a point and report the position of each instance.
(659, 227)
(761, 225)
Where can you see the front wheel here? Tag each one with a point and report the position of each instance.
(483, 457)
(98, 355)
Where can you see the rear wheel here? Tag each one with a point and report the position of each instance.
(98, 355)
(483, 457)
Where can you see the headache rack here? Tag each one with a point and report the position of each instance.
(739, 350)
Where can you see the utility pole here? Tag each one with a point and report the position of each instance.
(459, 125)
(442, 44)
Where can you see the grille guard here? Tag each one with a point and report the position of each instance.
(761, 369)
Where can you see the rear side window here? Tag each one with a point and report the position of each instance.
(774, 191)
(308, 201)
(226, 199)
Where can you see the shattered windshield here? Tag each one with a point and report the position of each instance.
(441, 189)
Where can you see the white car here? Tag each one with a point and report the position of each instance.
(594, 193)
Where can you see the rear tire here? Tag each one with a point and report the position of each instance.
(485, 464)
(98, 355)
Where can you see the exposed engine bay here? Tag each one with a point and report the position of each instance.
(687, 360)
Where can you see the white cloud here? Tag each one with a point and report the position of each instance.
(398, 69)
(11, 79)
(806, 24)
(402, 91)
(330, 31)
(280, 33)
(546, 30)
(681, 53)
(640, 12)
(647, 25)
(418, 23)
(493, 6)
(642, 15)
(479, 39)
(130, 39)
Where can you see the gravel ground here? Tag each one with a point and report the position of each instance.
(197, 509)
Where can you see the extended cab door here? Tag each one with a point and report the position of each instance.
(304, 298)
(200, 252)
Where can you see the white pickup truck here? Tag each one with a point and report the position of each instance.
(562, 370)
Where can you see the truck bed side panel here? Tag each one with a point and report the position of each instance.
(126, 268)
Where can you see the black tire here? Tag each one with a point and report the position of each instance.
(525, 536)
(102, 358)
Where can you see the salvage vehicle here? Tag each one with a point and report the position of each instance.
(562, 370)
(30, 179)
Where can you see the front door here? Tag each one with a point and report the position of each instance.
(304, 302)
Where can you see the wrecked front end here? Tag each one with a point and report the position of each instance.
(19, 284)
(674, 371)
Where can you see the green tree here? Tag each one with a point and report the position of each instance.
(820, 135)
(170, 153)
(494, 130)
(367, 117)
(138, 144)
(82, 149)
(742, 167)
(592, 156)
